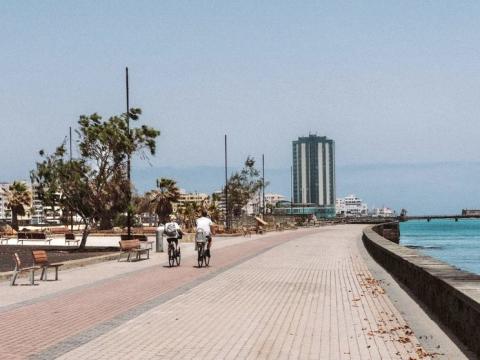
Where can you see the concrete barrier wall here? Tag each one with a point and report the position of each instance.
(451, 294)
(389, 230)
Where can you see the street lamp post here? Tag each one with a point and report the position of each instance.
(227, 223)
(129, 195)
(263, 184)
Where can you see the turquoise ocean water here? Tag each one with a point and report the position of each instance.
(457, 243)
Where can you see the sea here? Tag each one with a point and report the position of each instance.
(457, 243)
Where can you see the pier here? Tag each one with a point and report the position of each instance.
(437, 217)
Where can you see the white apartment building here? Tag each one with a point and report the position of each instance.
(351, 206)
(254, 206)
(383, 212)
(4, 212)
(273, 199)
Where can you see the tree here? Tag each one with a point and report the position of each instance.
(19, 198)
(189, 212)
(162, 198)
(242, 186)
(94, 185)
(214, 212)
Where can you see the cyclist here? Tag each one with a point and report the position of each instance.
(205, 224)
(172, 231)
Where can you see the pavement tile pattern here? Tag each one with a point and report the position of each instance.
(298, 295)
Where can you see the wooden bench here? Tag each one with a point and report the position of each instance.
(19, 269)
(70, 238)
(132, 247)
(40, 259)
(142, 237)
(33, 236)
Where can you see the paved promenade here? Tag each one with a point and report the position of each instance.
(305, 294)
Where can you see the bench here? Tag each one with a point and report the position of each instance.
(33, 236)
(132, 247)
(70, 238)
(143, 239)
(19, 269)
(40, 259)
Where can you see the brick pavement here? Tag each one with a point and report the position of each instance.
(309, 298)
(56, 318)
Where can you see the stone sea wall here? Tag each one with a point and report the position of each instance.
(451, 294)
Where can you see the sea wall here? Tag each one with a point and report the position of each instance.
(451, 294)
(389, 230)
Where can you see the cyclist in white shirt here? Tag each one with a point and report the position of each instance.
(205, 224)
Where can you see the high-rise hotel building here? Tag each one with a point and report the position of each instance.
(314, 172)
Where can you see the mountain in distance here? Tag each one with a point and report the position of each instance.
(422, 189)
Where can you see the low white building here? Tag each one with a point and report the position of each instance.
(254, 206)
(351, 206)
(383, 212)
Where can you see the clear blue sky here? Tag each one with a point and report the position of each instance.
(391, 82)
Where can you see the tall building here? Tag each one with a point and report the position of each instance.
(314, 171)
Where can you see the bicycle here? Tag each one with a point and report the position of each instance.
(203, 254)
(174, 254)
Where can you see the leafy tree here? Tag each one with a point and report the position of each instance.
(95, 185)
(162, 198)
(19, 198)
(242, 186)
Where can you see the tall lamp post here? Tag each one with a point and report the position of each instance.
(227, 222)
(71, 211)
(129, 195)
(263, 184)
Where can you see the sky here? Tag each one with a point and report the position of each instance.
(393, 83)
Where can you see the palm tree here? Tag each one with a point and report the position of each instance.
(215, 212)
(161, 199)
(18, 198)
(190, 211)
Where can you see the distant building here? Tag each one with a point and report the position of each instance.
(351, 206)
(470, 212)
(382, 212)
(273, 199)
(314, 175)
(193, 197)
(198, 199)
(314, 171)
(254, 205)
(5, 213)
(218, 198)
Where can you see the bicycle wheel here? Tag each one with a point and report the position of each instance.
(200, 255)
(171, 256)
(207, 257)
(178, 256)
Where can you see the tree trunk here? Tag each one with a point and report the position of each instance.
(86, 231)
(14, 220)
